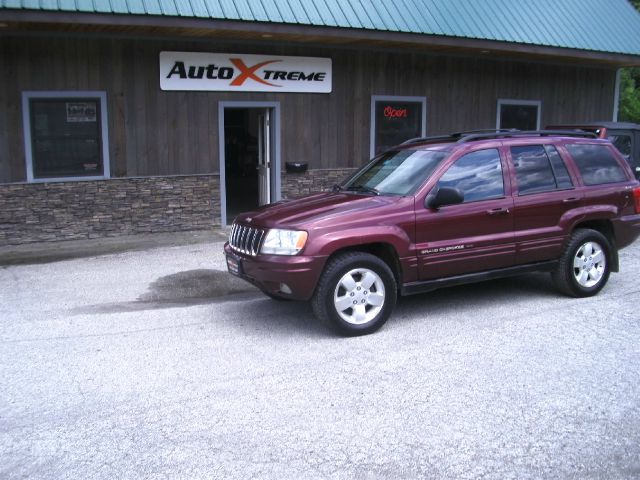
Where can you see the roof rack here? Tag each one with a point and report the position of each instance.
(471, 135)
(454, 136)
(428, 139)
(526, 133)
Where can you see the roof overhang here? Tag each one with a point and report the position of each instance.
(37, 21)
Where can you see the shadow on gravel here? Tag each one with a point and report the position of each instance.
(196, 284)
(469, 299)
(254, 311)
(205, 287)
(192, 287)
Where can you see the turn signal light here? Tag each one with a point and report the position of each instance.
(636, 199)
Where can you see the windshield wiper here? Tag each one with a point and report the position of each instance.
(363, 188)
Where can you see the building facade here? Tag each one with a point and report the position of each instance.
(122, 124)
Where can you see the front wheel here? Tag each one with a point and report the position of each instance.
(584, 267)
(356, 293)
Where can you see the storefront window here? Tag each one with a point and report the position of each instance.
(395, 120)
(518, 114)
(65, 135)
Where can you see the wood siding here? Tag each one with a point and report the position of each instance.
(152, 132)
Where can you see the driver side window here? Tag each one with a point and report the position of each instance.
(478, 175)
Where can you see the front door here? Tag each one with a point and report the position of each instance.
(476, 235)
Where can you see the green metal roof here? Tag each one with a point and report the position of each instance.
(604, 26)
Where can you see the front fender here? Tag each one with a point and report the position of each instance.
(330, 242)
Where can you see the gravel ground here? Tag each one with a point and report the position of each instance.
(158, 364)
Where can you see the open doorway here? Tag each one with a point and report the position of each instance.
(250, 158)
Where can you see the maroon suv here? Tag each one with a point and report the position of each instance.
(442, 211)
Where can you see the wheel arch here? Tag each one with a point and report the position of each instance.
(384, 251)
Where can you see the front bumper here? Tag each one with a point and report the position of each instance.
(293, 277)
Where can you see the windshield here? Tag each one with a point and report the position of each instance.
(396, 172)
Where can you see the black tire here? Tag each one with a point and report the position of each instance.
(372, 291)
(584, 267)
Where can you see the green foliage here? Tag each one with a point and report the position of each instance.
(629, 95)
(630, 90)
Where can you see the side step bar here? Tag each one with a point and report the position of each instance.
(430, 285)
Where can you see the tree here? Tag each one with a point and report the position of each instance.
(629, 95)
(629, 110)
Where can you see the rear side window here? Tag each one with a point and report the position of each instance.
(539, 169)
(597, 164)
(478, 175)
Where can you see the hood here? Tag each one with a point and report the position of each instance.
(316, 210)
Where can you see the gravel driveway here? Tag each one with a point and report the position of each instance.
(158, 364)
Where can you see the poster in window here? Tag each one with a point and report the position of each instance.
(81, 112)
(396, 122)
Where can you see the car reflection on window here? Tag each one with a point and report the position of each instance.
(477, 174)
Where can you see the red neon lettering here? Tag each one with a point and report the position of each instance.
(249, 72)
(391, 112)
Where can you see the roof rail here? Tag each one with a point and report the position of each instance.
(526, 133)
(471, 135)
(428, 139)
(454, 136)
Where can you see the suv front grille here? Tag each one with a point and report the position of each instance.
(245, 239)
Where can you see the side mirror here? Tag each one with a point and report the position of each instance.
(444, 196)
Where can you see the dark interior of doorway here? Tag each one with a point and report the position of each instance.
(241, 160)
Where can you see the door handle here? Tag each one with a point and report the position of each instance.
(570, 200)
(498, 211)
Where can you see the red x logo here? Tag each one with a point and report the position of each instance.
(249, 72)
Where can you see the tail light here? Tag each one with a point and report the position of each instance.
(636, 199)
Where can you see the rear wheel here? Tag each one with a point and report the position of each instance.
(356, 293)
(585, 265)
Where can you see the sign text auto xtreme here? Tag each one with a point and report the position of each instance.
(213, 72)
(232, 72)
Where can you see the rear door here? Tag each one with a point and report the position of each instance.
(476, 235)
(544, 197)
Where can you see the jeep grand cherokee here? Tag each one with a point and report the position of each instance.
(441, 211)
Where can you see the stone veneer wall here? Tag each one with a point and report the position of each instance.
(38, 212)
(297, 184)
(43, 212)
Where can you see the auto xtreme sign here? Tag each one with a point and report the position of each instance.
(228, 72)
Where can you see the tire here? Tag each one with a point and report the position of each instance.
(356, 294)
(584, 267)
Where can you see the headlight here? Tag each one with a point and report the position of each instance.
(284, 242)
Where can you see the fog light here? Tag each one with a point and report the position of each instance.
(284, 288)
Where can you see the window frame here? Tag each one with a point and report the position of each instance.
(101, 96)
(525, 103)
(394, 98)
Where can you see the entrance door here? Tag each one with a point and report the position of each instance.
(248, 158)
(264, 158)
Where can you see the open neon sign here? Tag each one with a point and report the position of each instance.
(392, 112)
